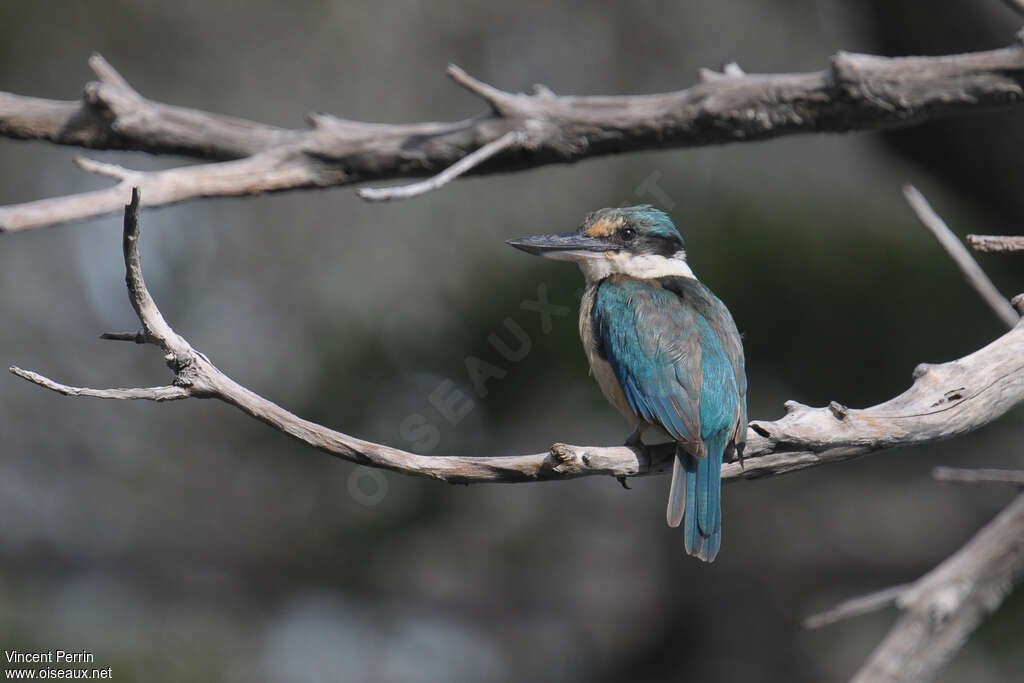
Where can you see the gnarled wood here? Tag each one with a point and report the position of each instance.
(856, 92)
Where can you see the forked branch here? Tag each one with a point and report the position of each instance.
(945, 401)
(941, 609)
(856, 92)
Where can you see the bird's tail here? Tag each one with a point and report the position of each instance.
(695, 496)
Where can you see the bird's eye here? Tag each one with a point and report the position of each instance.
(627, 234)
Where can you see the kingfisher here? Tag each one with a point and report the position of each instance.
(665, 352)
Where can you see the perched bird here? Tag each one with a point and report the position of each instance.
(664, 350)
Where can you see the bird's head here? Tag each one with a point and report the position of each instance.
(639, 241)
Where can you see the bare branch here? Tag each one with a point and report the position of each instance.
(136, 337)
(856, 606)
(999, 244)
(108, 74)
(112, 115)
(167, 393)
(965, 262)
(269, 171)
(103, 168)
(498, 99)
(462, 166)
(962, 475)
(945, 401)
(153, 324)
(942, 608)
(730, 70)
(856, 92)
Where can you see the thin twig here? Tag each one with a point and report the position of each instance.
(856, 606)
(103, 168)
(513, 138)
(963, 475)
(165, 393)
(136, 337)
(976, 277)
(996, 244)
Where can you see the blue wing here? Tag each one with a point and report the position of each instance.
(678, 357)
(674, 355)
(651, 342)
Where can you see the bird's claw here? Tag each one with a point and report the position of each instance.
(634, 440)
(622, 480)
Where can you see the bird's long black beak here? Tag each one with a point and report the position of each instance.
(545, 245)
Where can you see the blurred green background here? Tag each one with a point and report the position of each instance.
(185, 541)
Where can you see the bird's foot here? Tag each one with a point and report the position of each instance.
(737, 455)
(634, 440)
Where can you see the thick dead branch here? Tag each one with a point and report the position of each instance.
(975, 276)
(113, 115)
(942, 608)
(999, 244)
(856, 92)
(945, 401)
